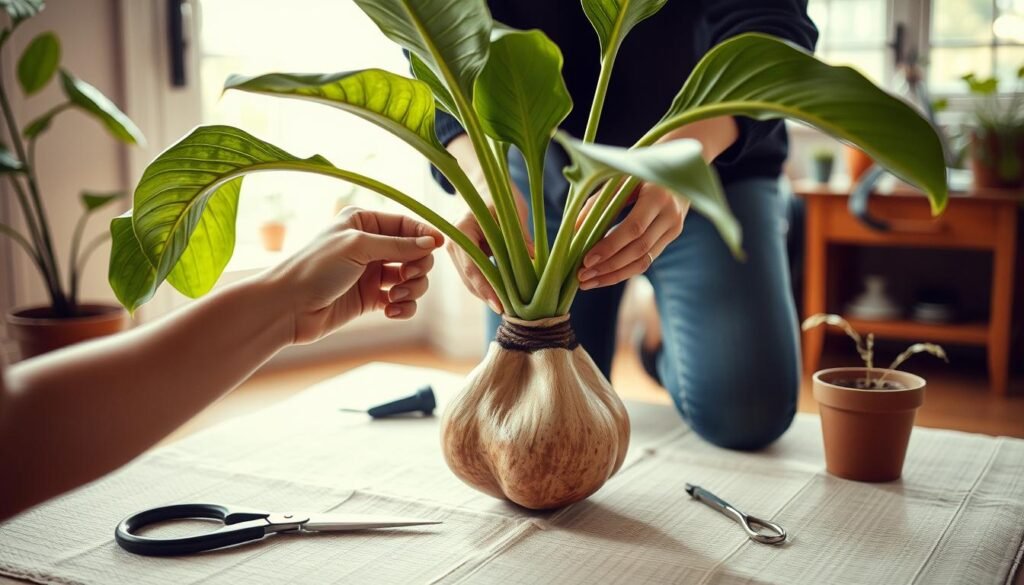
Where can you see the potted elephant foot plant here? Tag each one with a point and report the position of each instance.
(867, 413)
(537, 423)
(65, 319)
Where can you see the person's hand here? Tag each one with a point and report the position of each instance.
(471, 276)
(366, 261)
(468, 271)
(631, 247)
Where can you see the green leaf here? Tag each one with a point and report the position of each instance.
(761, 77)
(613, 19)
(450, 36)
(520, 95)
(977, 86)
(211, 244)
(93, 102)
(42, 123)
(403, 106)
(422, 72)
(183, 216)
(677, 165)
(8, 162)
(39, 62)
(131, 276)
(19, 10)
(93, 201)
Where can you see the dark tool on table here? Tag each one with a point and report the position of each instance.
(240, 525)
(770, 533)
(422, 401)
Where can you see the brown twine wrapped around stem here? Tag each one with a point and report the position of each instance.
(555, 333)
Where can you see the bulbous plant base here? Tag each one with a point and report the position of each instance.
(537, 422)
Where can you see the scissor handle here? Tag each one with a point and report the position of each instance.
(239, 526)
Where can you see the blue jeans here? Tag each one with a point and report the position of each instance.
(730, 356)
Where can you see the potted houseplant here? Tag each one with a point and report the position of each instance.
(65, 319)
(537, 423)
(824, 159)
(867, 413)
(274, 229)
(997, 134)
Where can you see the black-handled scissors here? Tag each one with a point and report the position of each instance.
(240, 525)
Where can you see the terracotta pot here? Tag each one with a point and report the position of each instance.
(997, 158)
(38, 331)
(272, 233)
(857, 163)
(867, 431)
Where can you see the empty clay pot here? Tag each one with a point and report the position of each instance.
(857, 163)
(867, 431)
(272, 233)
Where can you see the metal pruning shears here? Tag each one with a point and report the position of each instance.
(240, 525)
(757, 529)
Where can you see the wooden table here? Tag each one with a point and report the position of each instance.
(984, 220)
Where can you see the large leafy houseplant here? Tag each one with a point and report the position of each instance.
(37, 66)
(996, 132)
(537, 422)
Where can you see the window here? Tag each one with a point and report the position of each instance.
(983, 37)
(957, 37)
(286, 37)
(854, 32)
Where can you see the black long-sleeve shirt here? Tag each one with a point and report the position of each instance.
(653, 62)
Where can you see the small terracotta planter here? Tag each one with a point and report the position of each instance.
(272, 233)
(857, 163)
(996, 159)
(867, 431)
(38, 331)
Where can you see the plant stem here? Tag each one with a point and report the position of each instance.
(540, 226)
(76, 241)
(21, 241)
(60, 305)
(450, 168)
(597, 106)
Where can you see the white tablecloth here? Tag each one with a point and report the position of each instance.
(956, 517)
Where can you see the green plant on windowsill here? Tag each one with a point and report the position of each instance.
(997, 132)
(505, 86)
(37, 66)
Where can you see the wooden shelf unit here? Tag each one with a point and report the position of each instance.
(985, 220)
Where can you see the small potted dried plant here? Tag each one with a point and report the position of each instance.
(867, 413)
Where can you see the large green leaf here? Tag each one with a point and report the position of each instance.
(403, 106)
(676, 165)
(451, 36)
(131, 276)
(39, 62)
(93, 102)
(422, 71)
(183, 216)
(177, 186)
(613, 19)
(761, 77)
(520, 95)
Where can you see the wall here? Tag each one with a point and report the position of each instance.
(76, 153)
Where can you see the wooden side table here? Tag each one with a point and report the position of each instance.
(980, 221)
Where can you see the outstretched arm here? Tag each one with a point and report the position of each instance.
(69, 417)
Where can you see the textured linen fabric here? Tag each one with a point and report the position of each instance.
(956, 517)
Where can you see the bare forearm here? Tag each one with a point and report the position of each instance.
(715, 134)
(166, 372)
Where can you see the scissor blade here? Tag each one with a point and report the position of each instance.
(339, 522)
